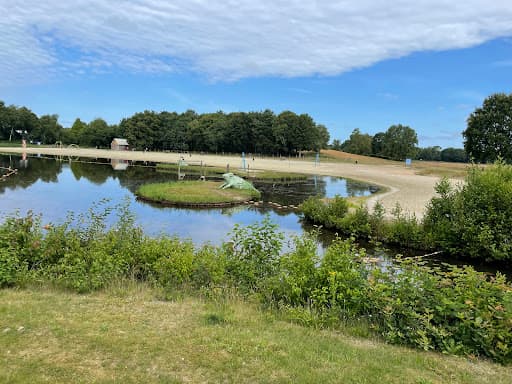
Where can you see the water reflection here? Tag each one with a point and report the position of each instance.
(53, 187)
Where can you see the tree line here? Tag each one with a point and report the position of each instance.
(397, 143)
(253, 132)
(487, 137)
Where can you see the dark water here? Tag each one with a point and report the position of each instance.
(53, 187)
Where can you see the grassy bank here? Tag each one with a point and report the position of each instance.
(194, 193)
(126, 334)
(453, 310)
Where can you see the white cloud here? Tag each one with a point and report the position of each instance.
(228, 40)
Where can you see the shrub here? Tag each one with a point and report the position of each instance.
(405, 230)
(453, 310)
(297, 273)
(10, 268)
(475, 220)
(253, 253)
(342, 280)
(174, 265)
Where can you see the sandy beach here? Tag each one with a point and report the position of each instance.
(403, 186)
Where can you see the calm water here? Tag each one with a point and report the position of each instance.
(54, 187)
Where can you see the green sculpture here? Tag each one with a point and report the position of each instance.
(233, 181)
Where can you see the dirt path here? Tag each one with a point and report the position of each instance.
(411, 191)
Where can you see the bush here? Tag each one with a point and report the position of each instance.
(405, 230)
(253, 253)
(475, 220)
(455, 310)
(297, 274)
(10, 268)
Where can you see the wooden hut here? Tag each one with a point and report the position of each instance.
(119, 145)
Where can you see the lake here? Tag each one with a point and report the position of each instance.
(53, 187)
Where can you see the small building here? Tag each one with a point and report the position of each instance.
(119, 145)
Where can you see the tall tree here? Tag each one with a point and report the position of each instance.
(488, 135)
(399, 142)
(456, 155)
(429, 153)
(378, 144)
(358, 143)
(263, 136)
(143, 130)
(77, 130)
(48, 130)
(323, 137)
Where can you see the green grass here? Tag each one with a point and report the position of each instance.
(125, 334)
(195, 193)
(262, 175)
(191, 169)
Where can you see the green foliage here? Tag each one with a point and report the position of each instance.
(429, 153)
(399, 142)
(296, 279)
(253, 253)
(488, 135)
(252, 132)
(453, 310)
(358, 143)
(405, 230)
(449, 309)
(175, 262)
(455, 155)
(10, 268)
(474, 220)
(342, 281)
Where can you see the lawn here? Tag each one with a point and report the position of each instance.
(128, 333)
(195, 193)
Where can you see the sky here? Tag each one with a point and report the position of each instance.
(348, 64)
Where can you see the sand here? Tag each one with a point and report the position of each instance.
(402, 185)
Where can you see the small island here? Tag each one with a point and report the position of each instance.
(195, 194)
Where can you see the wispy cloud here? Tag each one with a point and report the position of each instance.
(226, 40)
(388, 96)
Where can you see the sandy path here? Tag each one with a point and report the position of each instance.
(412, 191)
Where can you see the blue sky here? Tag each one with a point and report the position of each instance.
(365, 64)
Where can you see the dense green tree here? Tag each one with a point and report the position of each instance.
(455, 155)
(488, 135)
(75, 133)
(237, 135)
(143, 130)
(173, 134)
(474, 219)
(253, 132)
(295, 133)
(399, 142)
(378, 144)
(429, 153)
(263, 139)
(206, 132)
(48, 131)
(5, 122)
(14, 120)
(98, 134)
(336, 144)
(358, 143)
(323, 137)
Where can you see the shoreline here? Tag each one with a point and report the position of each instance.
(399, 184)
